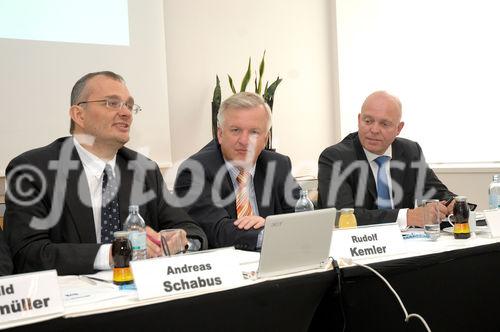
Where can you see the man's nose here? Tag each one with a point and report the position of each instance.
(244, 138)
(375, 128)
(124, 112)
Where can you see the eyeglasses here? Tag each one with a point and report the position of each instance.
(115, 103)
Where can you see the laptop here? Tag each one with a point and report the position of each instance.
(296, 242)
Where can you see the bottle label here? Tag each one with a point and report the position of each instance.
(494, 201)
(139, 246)
(122, 275)
(461, 228)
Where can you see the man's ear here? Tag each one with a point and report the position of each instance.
(77, 114)
(400, 126)
(219, 134)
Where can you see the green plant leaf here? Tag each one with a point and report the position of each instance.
(231, 84)
(269, 94)
(261, 73)
(216, 100)
(217, 92)
(246, 78)
(255, 85)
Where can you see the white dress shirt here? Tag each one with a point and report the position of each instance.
(401, 220)
(94, 168)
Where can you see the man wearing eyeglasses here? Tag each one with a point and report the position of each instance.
(65, 200)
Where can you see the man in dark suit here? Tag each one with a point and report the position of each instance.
(56, 204)
(377, 173)
(232, 183)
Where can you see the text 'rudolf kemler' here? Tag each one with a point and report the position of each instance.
(366, 251)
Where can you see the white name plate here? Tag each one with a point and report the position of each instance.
(493, 221)
(186, 273)
(29, 295)
(366, 242)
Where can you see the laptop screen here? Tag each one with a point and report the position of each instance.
(296, 242)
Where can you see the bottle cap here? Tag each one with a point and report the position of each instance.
(133, 208)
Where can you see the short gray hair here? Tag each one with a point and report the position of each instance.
(244, 100)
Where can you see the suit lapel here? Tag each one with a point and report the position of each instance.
(125, 189)
(226, 187)
(79, 202)
(370, 186)
(258, 183)
(397, 175)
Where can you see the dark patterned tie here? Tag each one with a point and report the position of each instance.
(384, 198)
(110, 210)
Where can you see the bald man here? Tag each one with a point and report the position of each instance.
(377, 173)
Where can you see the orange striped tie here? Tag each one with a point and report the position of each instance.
(243, 206)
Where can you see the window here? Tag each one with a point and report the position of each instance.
(440, 57)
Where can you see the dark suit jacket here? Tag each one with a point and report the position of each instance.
(6, 266)
(349, 151)
(217, 218)
(70, 244)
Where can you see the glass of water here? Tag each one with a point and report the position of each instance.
(431, 218)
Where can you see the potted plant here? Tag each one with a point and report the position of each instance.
(267, 94)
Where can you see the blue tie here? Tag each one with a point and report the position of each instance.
(383, 195)
(110, 211)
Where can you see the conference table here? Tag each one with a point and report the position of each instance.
(452, 283)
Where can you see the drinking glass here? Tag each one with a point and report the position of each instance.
(431, 218)
(171, 242)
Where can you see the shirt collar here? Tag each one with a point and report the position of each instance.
(91, 162)
(372, 156)
(235, 170)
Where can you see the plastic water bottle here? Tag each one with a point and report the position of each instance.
(494, 192)
(304, 203)
(135, 225)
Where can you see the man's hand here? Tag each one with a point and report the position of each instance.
(248, 222)
(153, 242)
(449, 208)
(175, 239)
(415, 217)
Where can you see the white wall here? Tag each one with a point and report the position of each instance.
(469, 182)
(205, 38)
(37, 76)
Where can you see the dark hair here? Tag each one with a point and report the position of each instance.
(81, 84)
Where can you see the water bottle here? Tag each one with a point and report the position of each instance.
(135, 225)
(304, 203)
(494, 192)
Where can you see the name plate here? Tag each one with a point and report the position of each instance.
(366, 242)
(29, 295)
(186, 273)
(493, 221)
